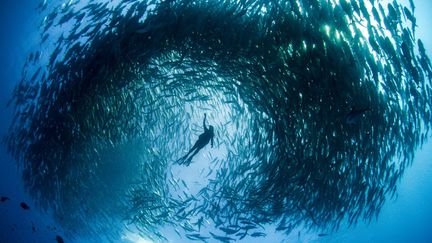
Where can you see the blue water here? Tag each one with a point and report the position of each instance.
(403, 219)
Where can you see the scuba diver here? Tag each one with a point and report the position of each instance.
(203, 140)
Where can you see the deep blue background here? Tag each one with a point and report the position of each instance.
(18, 31)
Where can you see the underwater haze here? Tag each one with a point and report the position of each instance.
(215, 121)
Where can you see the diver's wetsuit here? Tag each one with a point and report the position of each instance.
(203, 140)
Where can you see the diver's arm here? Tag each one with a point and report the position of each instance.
(212, 142)
(204, 122)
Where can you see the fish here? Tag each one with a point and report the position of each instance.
(322, 234)
(412, 5)
(258, 234)
(44, 38)
(66, 17)
(24, 206)
(242, 235)
(59, 239)
(376, 14)
(33, 227)
(4, 199)
(222, 238)
(42, 5)
(409, 15)
(248, 227)
(199, 223)
(354, 116)
(197, 237)
(229, 231)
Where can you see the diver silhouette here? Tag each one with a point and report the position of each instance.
(203, 140)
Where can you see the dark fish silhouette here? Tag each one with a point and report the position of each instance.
(33, 227)
(322, 234)
(196, 237)
(354, 116)
(59, 239)
(222, 238)
(258, 234)
(4, 199)
(24, 206)
(229, 231)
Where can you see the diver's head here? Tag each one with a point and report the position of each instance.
(211, 128)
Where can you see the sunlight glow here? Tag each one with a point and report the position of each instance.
(136, 238)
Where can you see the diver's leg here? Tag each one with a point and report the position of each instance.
(183, 160)
(189, 160)
(191, 150)
(196, 151)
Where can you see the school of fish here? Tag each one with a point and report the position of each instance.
(318, 108)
